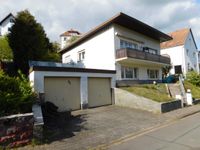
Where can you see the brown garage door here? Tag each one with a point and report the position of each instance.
(63, 92)
(99, 92)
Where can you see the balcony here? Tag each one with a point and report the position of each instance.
(127, 53)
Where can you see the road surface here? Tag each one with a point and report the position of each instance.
(183, 134)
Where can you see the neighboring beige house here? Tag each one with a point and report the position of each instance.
(182, 50)
(124, 44)
(6, 24)
(66, 37)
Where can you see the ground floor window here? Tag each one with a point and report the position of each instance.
(178, 69)
(129, 72)
(152, 73)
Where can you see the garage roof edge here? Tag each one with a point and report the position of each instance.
(69, 69)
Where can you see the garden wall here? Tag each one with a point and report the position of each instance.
(16, 130)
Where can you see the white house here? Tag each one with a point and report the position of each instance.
(66, 36)
(182, 50)
(124, 44)
(6, 24)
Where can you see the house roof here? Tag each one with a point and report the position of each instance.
(179, 38)
(69, 32)
(10, 14)
(125, 21)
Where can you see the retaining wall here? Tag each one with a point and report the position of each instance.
(16, 130)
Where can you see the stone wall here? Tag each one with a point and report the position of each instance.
(16, 130)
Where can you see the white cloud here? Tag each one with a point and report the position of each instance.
(59, 16)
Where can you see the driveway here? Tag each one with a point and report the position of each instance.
(93, 127)
(98, 127)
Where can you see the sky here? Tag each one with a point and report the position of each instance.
(58, 16)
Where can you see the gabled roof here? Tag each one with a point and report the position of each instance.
(69, 32)
(179, 38)
(10, 14)
(125, 21)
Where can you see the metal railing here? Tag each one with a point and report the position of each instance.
(138, 54)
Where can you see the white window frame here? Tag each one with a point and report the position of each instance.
(67, 59)
(133, 70)
(155, 73)
(81, 56)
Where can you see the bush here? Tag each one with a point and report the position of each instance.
(16, 95)
(193, 77)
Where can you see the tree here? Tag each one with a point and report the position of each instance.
(165, 70)
(28, 41)
(5, 50)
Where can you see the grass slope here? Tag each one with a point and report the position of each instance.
(194, 89)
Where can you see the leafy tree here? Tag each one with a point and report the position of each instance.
(28, 41)
(193, 77)
(165, 70)
(5, 50)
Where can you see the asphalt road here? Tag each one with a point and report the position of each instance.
(183, 134)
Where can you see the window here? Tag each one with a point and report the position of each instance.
(193, 54)
(187, 51)
(152, 74)
(65, 38)
(67, 59)
(81, 55)
(178, 69)
(126, 44)
(129, 73)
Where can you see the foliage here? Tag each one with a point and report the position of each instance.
(28, 41)
(155, 92)
(193, 77)
(16, 94)
(165, 70)
(5, 50)
(195, 90)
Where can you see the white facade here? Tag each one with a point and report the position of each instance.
(6, 25)
(100, 52)
(185, 56)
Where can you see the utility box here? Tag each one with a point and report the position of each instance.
(189, 97)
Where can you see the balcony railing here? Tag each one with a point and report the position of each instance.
(138, 54)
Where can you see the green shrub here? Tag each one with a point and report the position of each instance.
(193, 77)
(16, 94)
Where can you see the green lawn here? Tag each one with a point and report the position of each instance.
(155, 92)
(194, 89)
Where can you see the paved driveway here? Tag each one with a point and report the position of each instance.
(97, 127)
(93, 127)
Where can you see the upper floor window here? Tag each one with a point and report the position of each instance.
(129, 73)
(127, 44)
(65, 39)
(67, 59)
(152, 74)
(193, 54)
(187, 51)
(81, 55)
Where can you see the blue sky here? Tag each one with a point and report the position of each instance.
(57, 16)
